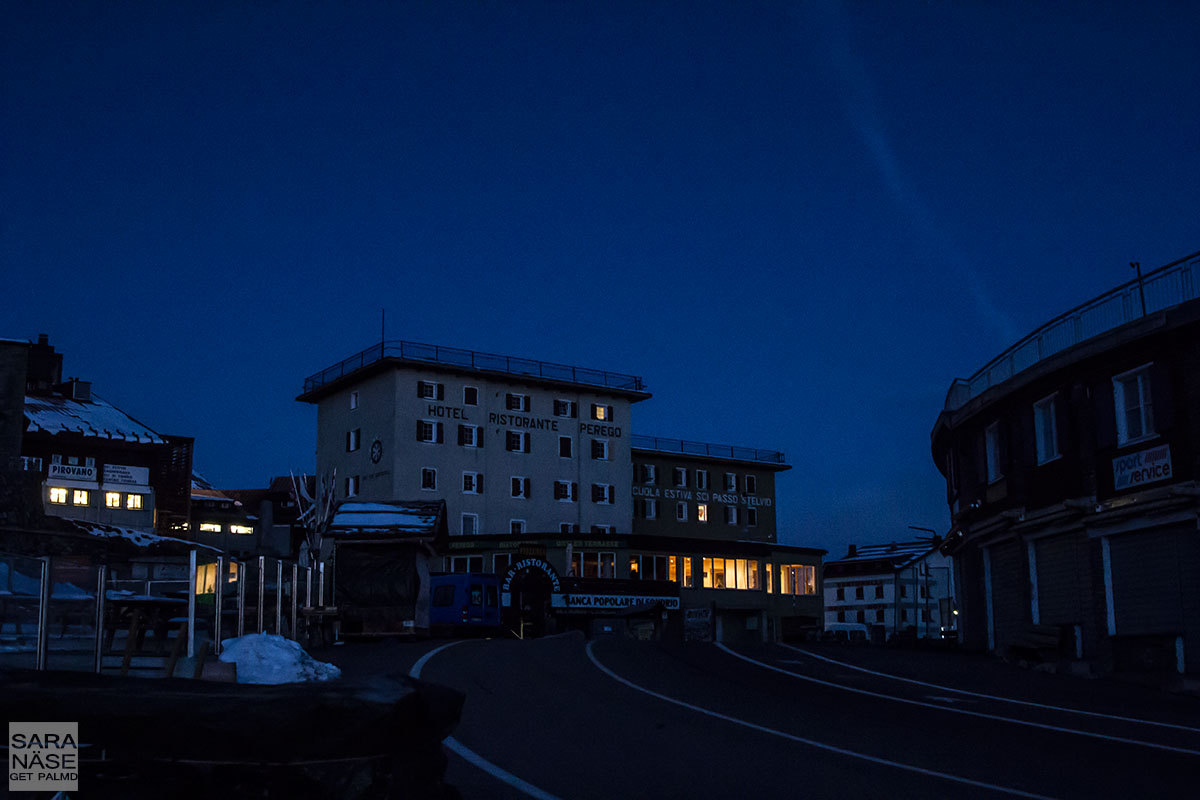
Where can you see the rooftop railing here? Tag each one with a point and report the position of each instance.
(706, 449)
(470, 359)
(1167, 286)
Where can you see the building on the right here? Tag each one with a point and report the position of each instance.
(1071, 463)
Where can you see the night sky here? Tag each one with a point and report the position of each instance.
(798, 222)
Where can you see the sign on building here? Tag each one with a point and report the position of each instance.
(130, 476)
(1144, 466)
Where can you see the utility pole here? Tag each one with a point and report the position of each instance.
(1137, 265)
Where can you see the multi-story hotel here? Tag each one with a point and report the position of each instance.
(537, 462)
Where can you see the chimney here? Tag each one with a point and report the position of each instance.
(852, 552)
(13, 363)
(45, 367)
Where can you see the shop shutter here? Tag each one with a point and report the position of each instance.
(1010, 592)
(1062, 565)
(1145, 578)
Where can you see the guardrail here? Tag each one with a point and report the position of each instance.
(706, 449)
(470, 359)
(1167, 286)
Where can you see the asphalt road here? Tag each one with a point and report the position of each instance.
(562, 717)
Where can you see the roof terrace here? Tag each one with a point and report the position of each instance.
(1158, 290)
(706, 449)
(474, 361)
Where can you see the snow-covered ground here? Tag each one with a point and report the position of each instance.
(269, 658)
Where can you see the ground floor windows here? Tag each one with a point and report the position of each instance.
(679, 569)
(112, 499)
(465, 563)
(731, 573)
(133, 502)
(241, 530)
(593, 564)
(649, 568)
(210, 527)
(797, 579)
(501, 562)
(79, 497)
(58, 495)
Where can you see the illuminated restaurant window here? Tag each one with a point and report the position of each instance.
(594, 565)
(112, 499)
(731, 573)
(206, 578)
(210, 527)
(673, 568)
(79, 497)
(133, 502)
(687, 572)
(242, 529)
(58, 495)
(797, 579)
(635, 566)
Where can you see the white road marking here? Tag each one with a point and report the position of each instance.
(455, 746)
(950, 710)
(802, 740)
(1030, 703)
(947, 699)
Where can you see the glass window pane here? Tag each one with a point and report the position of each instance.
(591, 565)
(752, 574)
(708, 573)
(718, 573)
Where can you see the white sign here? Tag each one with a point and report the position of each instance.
(130, 476)
(73, 472)
(617, 601)
(1146, 466)
(43, 756)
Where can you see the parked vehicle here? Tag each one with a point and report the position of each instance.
(846, 632)
(463, 603)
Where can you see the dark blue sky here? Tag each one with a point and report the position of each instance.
(797, 221)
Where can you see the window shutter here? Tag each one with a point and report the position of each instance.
(420, 430)
(1161, 400)
(574, 409)
(440, 438)
(558, 490)
(1104, 409)
(527, 486)
(420, 388)
(462, 434)
(574, 491)
(596, 493)
(516, 487)
(441, 391)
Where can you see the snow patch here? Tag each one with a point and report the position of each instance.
(270, 658)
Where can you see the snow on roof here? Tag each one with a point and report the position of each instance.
(897, 553)
(137, 537)
(97, 418)
(212, 494)
(386, 518)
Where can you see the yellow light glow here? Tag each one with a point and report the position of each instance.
(133, 502)
(79, 497)
(602, 412)
(112, 499)
(702, 512)
(243, 529)
(58, 495)
(210, 527)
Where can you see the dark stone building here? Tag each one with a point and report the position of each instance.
(1071, 464)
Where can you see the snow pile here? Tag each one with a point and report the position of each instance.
(268, 658)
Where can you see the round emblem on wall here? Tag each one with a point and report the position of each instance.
(376, 451)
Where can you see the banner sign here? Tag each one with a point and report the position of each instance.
(72, 471)
(1146, 466)
(130, 476)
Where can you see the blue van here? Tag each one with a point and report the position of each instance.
(463, 603)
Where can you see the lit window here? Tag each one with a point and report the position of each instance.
(428, 479)
(635, 566)
(79, 497)
(602, 413)
(702, 512)
(58, 495)
(1135, 412)
(687, 572)
(241, 529)
(353, 400)
(133, 502)
(991, 438)
(210, 527)
(112, 499)
(799, 579)
(1045, 429)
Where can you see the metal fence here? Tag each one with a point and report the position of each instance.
(1171, 285)
(470, 359)
(706, 449)
(67, 614)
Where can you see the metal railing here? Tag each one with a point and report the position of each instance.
(470, 359)
(706, 449)
(1158, 290)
